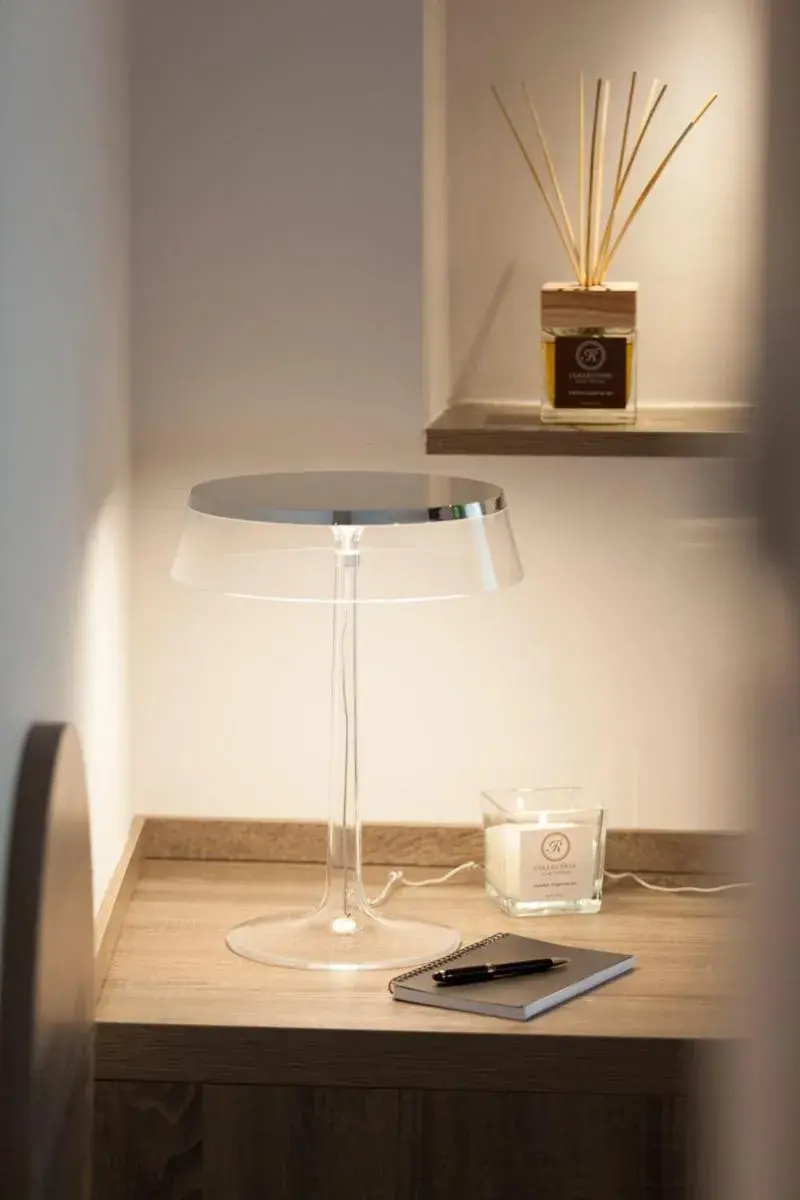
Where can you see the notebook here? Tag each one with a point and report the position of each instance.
(518, 998)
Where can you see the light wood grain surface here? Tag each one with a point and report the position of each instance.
(111, 914)
(176, 1000)
(660, 852)
(495, 427)
(565, 306)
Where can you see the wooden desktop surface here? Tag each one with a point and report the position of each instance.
(177, 1004)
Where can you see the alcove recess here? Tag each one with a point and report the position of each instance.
(489, 245)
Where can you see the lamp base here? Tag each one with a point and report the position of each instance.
(329, 939)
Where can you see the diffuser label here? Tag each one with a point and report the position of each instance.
(557, 863)
(591, 372)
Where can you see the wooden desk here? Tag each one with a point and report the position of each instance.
(224, 1080)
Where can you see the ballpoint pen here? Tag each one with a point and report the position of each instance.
(483, 972)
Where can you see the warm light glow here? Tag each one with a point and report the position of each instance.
(101, 686)
(344, 925)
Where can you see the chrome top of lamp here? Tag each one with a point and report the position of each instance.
(418, 537)
(346, 498)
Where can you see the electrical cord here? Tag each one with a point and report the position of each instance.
(398, 879)
(675, 889)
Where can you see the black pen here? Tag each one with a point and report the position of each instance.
(482, 972)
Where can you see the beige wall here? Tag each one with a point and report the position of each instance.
(63, 394)
(277, 259)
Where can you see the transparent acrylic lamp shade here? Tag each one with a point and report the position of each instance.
(345, 539)
(420, 537)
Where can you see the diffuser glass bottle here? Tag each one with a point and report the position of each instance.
(589, 353)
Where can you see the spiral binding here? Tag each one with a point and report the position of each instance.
(448, 958)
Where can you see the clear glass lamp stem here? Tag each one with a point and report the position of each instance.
(344, 885)
(343, 932)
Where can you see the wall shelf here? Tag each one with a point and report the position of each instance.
(514, 428)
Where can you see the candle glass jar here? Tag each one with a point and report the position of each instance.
(543, 852)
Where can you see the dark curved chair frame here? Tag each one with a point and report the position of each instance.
(47, 977)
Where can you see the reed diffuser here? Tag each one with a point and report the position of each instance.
(589, 360)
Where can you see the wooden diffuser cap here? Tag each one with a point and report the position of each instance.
(610, 306)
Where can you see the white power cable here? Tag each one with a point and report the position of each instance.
(657, 887)
(398, 879)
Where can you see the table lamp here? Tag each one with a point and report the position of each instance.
(346, 539)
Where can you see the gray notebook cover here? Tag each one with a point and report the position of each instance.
(521, 998)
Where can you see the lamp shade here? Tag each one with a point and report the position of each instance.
(420, 537)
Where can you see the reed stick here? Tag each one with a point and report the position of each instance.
(647, 117)
(590, 254)
(552, 172)
(623, 146)
(581, 178)
(598, 199)
(592, 180)
(615, 194)
(561, 235)
(654, 178)
(649, 104)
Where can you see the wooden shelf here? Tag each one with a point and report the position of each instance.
(497, 427)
